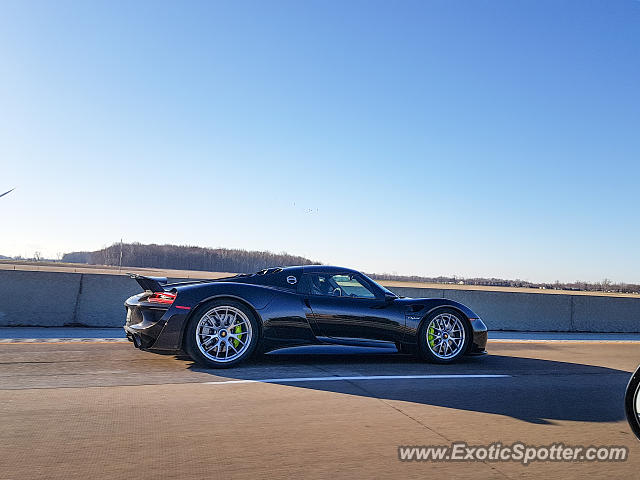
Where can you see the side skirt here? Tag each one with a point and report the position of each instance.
(357, 342)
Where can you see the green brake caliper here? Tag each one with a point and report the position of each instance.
(431, 336)
(237, 331)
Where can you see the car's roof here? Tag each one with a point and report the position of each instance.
(293, 270)
(325, 269)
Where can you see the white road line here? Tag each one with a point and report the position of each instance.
(360, 377)
(62, 340)
(516, 340)
(491, 340)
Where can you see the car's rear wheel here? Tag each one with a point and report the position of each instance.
(222, 334)
(444, 336)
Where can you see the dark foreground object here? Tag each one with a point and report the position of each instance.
(220, 323)
(632, 402)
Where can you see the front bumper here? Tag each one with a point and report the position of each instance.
(478, 343)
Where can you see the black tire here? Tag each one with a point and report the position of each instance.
(429, 353)
(630, 402)
(195, 347)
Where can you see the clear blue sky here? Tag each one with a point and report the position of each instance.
(470, 138)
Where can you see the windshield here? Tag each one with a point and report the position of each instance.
(384, 289)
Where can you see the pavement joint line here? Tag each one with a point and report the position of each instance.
(399, 410)
(359, 377)
(427, 427)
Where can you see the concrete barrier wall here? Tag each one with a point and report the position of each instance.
(37, 298)
(30, 298)
(101, 299)
(51, 299)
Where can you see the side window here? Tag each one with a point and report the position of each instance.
(341, 285)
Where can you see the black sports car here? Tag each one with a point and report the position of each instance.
(222, 322)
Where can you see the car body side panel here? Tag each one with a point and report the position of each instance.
(344, 317)
(285, 322)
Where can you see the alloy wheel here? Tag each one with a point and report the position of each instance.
(223, 334)
(445, 335)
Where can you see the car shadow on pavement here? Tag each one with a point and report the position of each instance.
(536, 391)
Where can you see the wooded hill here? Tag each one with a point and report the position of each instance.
(186, 258)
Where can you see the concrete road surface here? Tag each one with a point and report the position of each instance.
(72, 410)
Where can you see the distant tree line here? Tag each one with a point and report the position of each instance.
(77, 257)
(185, 258)
(605, 285)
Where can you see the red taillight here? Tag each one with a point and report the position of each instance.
(162, 297)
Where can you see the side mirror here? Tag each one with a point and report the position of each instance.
(389, 297)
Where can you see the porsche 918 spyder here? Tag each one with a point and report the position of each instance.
(221, 322)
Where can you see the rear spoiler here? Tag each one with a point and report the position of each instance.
(153, 284)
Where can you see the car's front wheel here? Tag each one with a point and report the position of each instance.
(444, 336)
(222, 334)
